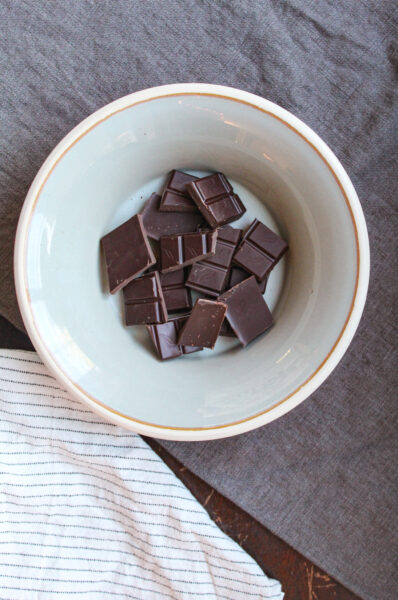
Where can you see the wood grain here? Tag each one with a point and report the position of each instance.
(301, 579)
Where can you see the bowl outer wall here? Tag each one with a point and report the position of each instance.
(331, 360)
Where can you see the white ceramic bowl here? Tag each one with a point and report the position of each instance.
(100, 174)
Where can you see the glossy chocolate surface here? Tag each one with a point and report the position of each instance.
(127, 253)
(247, 311)
(237, 275)
(144, 301)
(259, 250)
(177, 251)
(226, 329)
(216, 200)
(210, 276)
(159, 223)
(175, 198)
(164, 338)
(203, 326)
(177, 296)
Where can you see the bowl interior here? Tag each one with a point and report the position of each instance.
(106, 176)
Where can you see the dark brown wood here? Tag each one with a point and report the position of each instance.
(301, 579)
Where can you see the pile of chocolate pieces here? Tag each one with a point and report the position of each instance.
(228, 269)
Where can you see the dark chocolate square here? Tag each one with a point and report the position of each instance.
(159, 223)
(210, 275)
(259, 250)
(144, 301)
(177, 296)
(175, 198)
(204, 323)
(237, 275)
(127, 253)
(216, 200)
(247, 311)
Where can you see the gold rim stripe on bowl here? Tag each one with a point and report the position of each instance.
(115, 412)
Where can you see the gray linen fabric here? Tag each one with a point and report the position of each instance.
(321, 477)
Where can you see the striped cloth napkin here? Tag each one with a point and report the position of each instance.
(88, 510)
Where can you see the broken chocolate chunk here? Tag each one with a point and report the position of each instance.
(202, 328)
(247, 311)
(127, 253)
(159, 223)
(164, 338)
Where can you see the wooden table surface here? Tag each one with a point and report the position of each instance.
(300, 578)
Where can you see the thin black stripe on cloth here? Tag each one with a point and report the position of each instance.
(91, 511)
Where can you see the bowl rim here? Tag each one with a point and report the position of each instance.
(327, 364)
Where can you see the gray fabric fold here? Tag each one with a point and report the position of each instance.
(321, 477)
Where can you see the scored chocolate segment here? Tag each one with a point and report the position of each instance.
(215, 198)
(259, 250)
(247, 311)
(127, 253)
(177, 296)
(164, 338)
(203, 325)
(159, 223)
(237, 275)
(210, 275)
(177, 251)
(144, 301)
(175, 198)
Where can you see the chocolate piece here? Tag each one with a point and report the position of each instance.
(175, 198)
(176, 295)
(237, 275)
(144, 301)
(164, 337)
(210, 275)
(177, 251)
(158, 223)
(259, 250)
(226, 329)
(247, 311)
(204, 324)
(263, 284)
(127, 253)
(215, 199)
